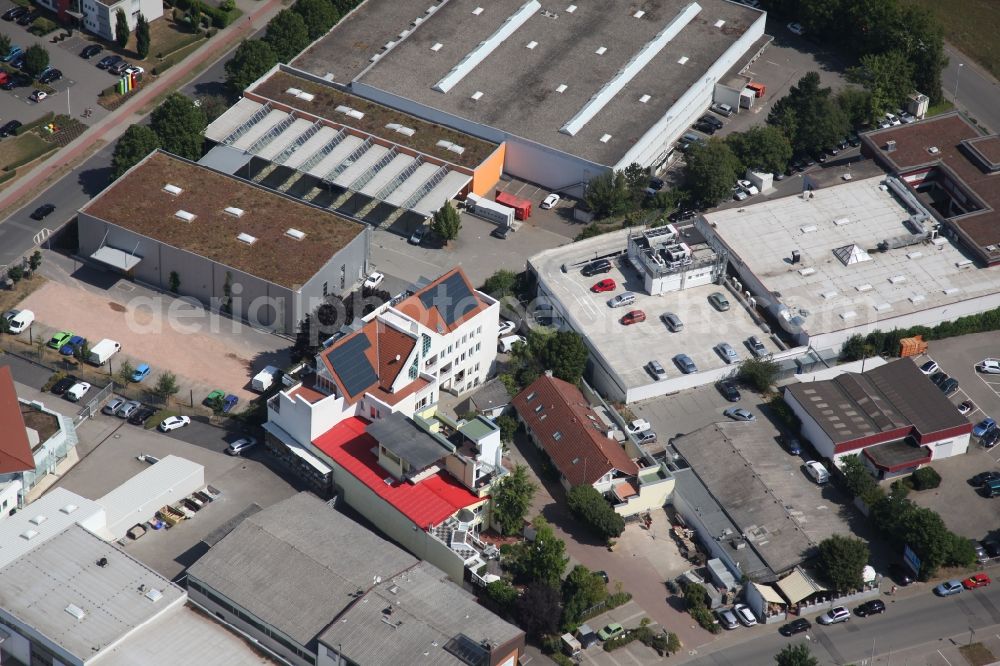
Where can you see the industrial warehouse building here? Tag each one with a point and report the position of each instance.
(568, 91)
(223, 240)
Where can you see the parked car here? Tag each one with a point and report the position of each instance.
(50, 76)
(790, 444)
(606, 284)
(63, 384)
(756, 347)
(16, 81)
(638, 425)
(796, 29)
(128, 409)
(705, 128)
(817, 471)
(992, 547)
(12, 53)
(873, 607)
(603, 575)
(948, 588)
(173, 423)
(796, 626)
(374, 280)
(119, 67)
(990, 439)
(141, 372)
(228, 403)
(729, 390)
(9, 127)
(672, 321)
(938, 377)
(901, 574)
(613, 630)
(739, 414)
(965, 407)
(983, 478)
(748, 187)
(26, 19)
(740, 195)
(14, 13)
(656, 370)
(418, 235)
(984, 426)
(633, 317)
(727, 618)
(36, 97)
(929, 367)
(745, 615)
(976, 580)
(213, 398)
(989, 366)
(90, 51)
(109, 61)
(835, 615)
(113, 405)
(949, 386)
(43, 211)
(506, 328)
(76, 342)
(718, 301)
(981, 555)
(77, 391)
(59, 339)
(711, 120)
(726, 351)
(550, 201)
(241, 446)
(140, 416)
(723, 110)
(685, 363)
(596, 267)
(648, 437)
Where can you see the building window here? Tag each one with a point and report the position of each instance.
(426, 342)
(372, 411)
(478, 345)
(476, 369)
(557, 435)
(462, 357)
(464, 338)
(479, 331)
(539, 408)
(413, 369)
(343, 277)
(326, 290)
(529, 397)
(450, 348)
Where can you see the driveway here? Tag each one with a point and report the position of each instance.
(205, 351)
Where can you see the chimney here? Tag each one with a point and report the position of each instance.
(890, 146)
(548, 373)
(796, 257)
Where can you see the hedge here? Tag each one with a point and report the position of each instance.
(925, 478)
(881, 343)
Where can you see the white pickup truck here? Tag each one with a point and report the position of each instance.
(639, 425)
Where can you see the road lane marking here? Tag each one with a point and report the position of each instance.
(944, 657)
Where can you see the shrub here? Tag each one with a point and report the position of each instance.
(925, 478)
(52, 381)
(587, 504)
(42, 26)
(705, 619)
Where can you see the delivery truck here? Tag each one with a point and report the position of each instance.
(264, 379)
(103, 350)
(496, 213)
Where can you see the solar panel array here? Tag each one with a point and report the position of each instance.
(468, 651)
(351, 365)
(452, 298)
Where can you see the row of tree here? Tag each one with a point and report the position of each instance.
(886, 343)
(176, 125)
(142, 34)
(562, 352)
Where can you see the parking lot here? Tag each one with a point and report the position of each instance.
(558, 219)
(629, 616)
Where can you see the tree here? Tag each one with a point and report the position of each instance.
(538, 609)
(175, 282)
(15, 273)
(608, 194)
(565, 354)
(4, 43)
(508, 426)
(711, 171)
(859, 480)
(194, 14)
(511, 500)
(212, 106)
(841, 560)
(924, 39)
(287, 34)
(319, 16)
(589, 505)
(502, 283)
(503, 594)
(541, 560)
(35, 260)
(856, 104)
(252, 58)
(888, 77)
(166, 385)
(179, 124)
(36, 59)
(758, 373)
(306, 344)
(142, 38)
(796, 655)
(761, 149)
(582, 590)
(447, 222)
(121, 28)
(137, 142)
(808, 115)
(125, 370)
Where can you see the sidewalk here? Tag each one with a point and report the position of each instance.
(114, 124)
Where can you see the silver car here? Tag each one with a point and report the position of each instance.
(656, 370)
(113, 406)
(727, 352)
(127, 409)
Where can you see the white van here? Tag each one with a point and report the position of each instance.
(506, 344)
(264, 379)
(22, 320)
(622, 299)
(817, 471)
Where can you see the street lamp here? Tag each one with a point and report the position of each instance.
(958, 76)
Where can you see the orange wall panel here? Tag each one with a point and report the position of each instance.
(488, 173)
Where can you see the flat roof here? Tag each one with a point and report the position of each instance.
(951, 142)
(427, 503)
(898, 455)
(770, 527)
(326, 99)
(426, 611)
(404, 438)
(138, 202)
(487, 44)
(136, 498)
(830, 295)
(43, 519)
(62, 591)
(297, 564)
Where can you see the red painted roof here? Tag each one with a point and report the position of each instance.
(15, 448)
(551, 406)
(426, 503)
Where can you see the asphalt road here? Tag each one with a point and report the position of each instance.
(917, 625)
(978, 92)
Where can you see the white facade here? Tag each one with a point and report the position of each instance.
(9, 492)
(100, 17)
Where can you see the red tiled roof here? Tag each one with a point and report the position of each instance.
(385, 343)
(426, 503)
(414, 308)
(310, 395)
(15, 448)
(582, 437)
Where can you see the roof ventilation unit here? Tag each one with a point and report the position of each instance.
(444, 144)
(306, 97)
(76, 611)
(720, 23)
(28, 535)
(295, 92)
(247, 238)
(234, 211)
(38, 520)
(393, 126)
(645, 98)
(601, 50)
(103, 562)
(355, 114)
(437, 47)
(571, 9)
(153, 595)
(406, 131)
(639, 14)
(477, 11)
(455, 148)
(605, 138)
(864, 287)
(476, 95)
(561, 88)
(530, 45)
(69, 508)
(897, 279)
(933, 150)
(295, 233)
(682, 60)
(172, 189)
(890, 146)
(342, 109)
(184, 215)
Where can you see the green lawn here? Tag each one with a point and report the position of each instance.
(972, 26)
(21, 149)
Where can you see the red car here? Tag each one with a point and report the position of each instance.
(604, 285)
(633, 317)
(976, 580)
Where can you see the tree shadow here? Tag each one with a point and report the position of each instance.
(93, 181)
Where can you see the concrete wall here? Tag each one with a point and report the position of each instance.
(651, 496)
(810, 429)
(352, 258)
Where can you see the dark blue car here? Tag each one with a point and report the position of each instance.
(74, 343)
(228, 403)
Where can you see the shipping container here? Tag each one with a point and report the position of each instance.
(522, 207)
(758, 88)
(490, 210)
